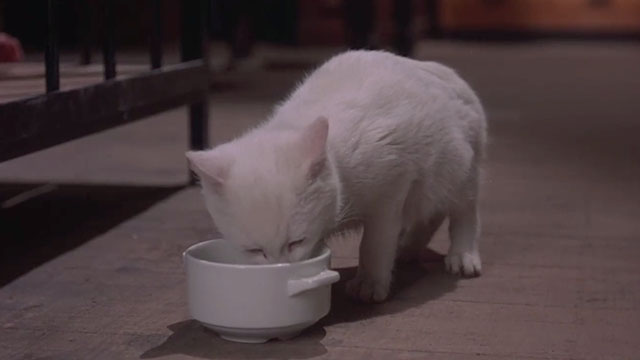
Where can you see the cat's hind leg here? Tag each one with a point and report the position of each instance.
(378, 248)
(421, 221)
(464, 231)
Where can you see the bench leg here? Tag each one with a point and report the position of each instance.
(194, 46)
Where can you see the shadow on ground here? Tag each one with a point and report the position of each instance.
(40, 222)
(414, 285)
(190, 338)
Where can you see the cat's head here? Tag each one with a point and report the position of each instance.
(274, 193)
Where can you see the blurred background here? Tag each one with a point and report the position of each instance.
(560, 80)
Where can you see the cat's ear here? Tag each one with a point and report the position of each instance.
(211, 166)
(314, 144)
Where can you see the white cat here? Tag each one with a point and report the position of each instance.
(390, 141)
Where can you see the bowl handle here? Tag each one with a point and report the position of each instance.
(326, 277)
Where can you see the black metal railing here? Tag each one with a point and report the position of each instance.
(57, 116)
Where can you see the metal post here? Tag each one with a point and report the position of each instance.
(84, 30)
(402, 19)
(108, 43)
(359, 21)
(193, 46)
(52, 55)
(433, 19)
(155, 37)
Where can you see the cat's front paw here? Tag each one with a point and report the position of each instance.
(465, 263)
(365, 289)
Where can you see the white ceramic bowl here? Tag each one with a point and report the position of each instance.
(255, 303)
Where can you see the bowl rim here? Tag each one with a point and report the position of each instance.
(188, 256)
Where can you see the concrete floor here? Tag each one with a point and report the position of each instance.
(560, 204)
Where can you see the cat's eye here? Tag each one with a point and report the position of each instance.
(292, 245)
(256, 252)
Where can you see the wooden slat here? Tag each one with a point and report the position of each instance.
(43, 121)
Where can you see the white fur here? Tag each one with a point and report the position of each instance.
(404, 141)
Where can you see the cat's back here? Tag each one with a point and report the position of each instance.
(365, 81)
(388, 113)
(361, 73)
(417, 106)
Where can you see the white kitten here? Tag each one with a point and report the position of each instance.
(390, 141)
